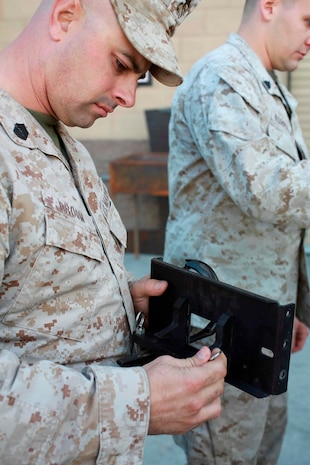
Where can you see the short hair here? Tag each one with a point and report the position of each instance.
(251, 4)
(248, 8)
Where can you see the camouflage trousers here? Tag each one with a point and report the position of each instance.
(248, 432)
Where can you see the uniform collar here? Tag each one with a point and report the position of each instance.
(267, 78)
(22, 128)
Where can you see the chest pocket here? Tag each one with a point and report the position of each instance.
(58, 297)
(284, 141)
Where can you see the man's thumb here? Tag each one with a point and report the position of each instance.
(202, 356)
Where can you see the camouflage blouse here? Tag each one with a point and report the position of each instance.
(65, 307)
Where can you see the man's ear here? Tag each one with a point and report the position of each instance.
(63, 14)
(267, 8)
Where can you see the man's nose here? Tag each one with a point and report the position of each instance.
(308, 42)
(125, 93)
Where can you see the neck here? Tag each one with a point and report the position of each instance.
(21, 71)
(253, 33)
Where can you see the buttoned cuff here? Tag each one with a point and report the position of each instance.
(124, 410)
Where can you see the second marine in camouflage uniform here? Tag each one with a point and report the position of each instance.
(240, 201)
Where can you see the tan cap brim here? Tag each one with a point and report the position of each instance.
(148, 34)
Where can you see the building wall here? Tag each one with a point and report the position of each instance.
(299, 84)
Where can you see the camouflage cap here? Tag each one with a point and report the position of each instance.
(149, 26)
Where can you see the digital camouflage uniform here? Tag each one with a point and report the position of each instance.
(65, 307)
(240, 201)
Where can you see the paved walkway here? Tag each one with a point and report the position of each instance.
(161, 450)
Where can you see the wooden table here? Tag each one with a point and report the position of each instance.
(139, 173)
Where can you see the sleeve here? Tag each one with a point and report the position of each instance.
(250, 152)
(53, 414)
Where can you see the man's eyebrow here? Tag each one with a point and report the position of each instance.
(136, 68)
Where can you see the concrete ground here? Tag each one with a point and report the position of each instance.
(295, 451)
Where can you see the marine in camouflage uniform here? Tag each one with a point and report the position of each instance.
(62, 245)
(66, 311)
(239, 177)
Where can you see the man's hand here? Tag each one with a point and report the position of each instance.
(185, 393)
(301, 332)
(141, 291)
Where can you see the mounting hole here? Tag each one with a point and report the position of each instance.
(285, 344)
(267, 352)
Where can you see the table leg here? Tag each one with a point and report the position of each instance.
(136, 239)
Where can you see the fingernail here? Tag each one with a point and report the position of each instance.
(201, 354)
(159, 285)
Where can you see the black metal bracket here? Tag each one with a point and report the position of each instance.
(254, 332)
